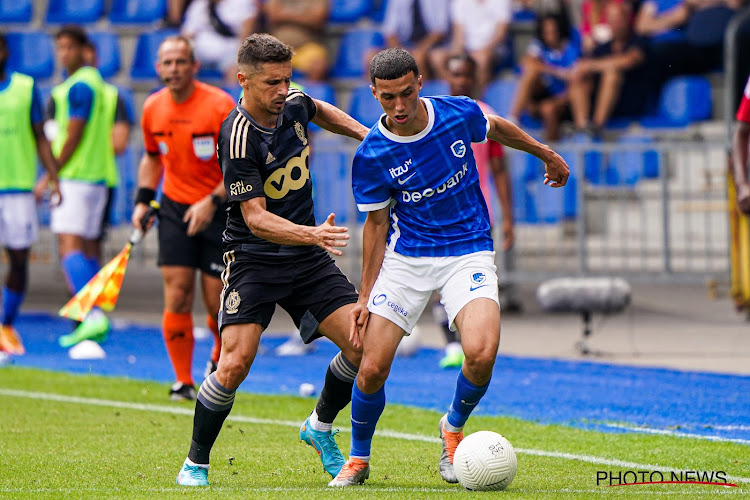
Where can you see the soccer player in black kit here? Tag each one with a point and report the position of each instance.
(274, 252)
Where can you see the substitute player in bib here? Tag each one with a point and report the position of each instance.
(427, 229)
(180, 126)
(275, 254)
(21, 139)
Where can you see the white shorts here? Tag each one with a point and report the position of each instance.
(81, 210)
(405, 284)
(18, 220)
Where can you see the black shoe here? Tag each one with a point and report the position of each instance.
(210, 368)
(182, 392)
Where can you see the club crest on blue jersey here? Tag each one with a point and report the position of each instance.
(458, 148)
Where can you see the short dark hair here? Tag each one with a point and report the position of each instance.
(179, 38)
(463, 57)
(390, 64)
(261, 48)
(75, 33)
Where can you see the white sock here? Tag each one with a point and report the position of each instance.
(448, 427)
(318, 425)
(193, 464)
(364, 459)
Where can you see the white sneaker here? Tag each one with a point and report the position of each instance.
(294, 347)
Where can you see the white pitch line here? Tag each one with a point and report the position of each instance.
(46, 396)
(667, 432)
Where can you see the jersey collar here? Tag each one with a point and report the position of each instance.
(255, 124)
(410, 138)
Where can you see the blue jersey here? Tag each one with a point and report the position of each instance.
(563, 58)
(429, 180)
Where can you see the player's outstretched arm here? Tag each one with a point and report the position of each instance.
(334, 120)
(374, 236)
(271, 227)
(510, 135)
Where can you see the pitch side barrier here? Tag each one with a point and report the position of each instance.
(643, 210)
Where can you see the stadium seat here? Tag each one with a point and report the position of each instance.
(107, 52)
(499, 95)
(31, 53)
(74, 11)
(435, 87)
(349, 11)
(209, 74)
(350, 60)
(593, 169)
(626, 167)
(683, 100)
(137, 11)
(377, 14)
(145, 53)
(16, 11)
(319, 90)
(363, 107)
(329, 169)
(524, 15)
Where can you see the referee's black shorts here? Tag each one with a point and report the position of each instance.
(202, 251)
(309, 287)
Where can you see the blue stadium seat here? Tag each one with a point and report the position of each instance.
(363, 107)
(16, 11)
(517, 169)
(205, 73)
(435, 87)
(319, 90)
(350, 60)
(349, 11)
(107, 52)
(524, 15)
(629, 166)
(31, 53)
(137, 11)
(593, 169)
(329, 169)
(499, 95)
(74, 11)
(145, 53)
(377, 14)
(683, 100)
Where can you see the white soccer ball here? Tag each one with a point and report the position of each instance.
(485, 461)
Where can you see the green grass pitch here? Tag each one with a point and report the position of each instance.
(75, 436)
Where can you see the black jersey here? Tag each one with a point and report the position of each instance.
(271, 162)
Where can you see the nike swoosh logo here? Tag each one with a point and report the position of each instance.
(471, 289)
(401, 181)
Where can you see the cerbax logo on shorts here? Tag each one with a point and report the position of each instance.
(383, 298)
(416, 196)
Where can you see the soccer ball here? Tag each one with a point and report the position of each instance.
(485, 461)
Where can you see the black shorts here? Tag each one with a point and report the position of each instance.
(202, 251)
(106, 218)
(308, 287)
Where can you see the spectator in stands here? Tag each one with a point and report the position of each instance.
(480, 28)
(545, 70)
(662, 20)
(700, 45)
(740, 145)
(614, 78)
(175, 12)
(595, 28)
(301, 24)
(216, 28)
(418, 26)
(557, 8)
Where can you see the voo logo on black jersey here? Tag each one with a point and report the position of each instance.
(290, 177)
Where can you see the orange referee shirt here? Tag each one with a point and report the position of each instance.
(185, 136)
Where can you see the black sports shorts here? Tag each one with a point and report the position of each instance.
(202, 251)
(309, 287)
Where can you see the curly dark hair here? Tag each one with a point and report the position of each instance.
(390, 64)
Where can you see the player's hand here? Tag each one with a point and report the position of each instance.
(509, 235)
(556, 171)
(199, 215)
(358, 322)
(330, 237)
(743, 198)
(40, 187)
(139, 211)
(55, 196)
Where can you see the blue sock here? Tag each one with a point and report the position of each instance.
(11, 304)
(77, 270)
(464, 400)
(366, 411)
(93, 264)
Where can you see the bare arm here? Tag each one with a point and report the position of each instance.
(740, 142)
(271, 227)
(502, 185)
(457, 45)
(621, 62)
(334, 120)
(75, 133)
(45, 153)
(120, 137)
(374, 235)
(648, 22)
(314, 18)
(510, 135)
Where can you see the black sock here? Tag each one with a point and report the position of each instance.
(337, 391)
(211, 409)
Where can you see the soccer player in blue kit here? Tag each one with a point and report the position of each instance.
(427, 229)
